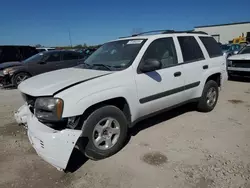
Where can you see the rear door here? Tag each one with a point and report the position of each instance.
(194, 65)
(69, 59)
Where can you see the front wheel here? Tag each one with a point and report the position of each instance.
(19, 77)
(106, 129)
(209, 97)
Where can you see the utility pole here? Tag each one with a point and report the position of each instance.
(70, 39)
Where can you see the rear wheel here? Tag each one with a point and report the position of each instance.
(106, 129)
(209, 97)
(19, 77)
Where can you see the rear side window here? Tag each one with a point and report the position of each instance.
(9, 53)
(212, 47)
(70, 56)
(190, 48)
(27, 52)
(53, 57)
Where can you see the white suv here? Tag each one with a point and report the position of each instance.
(92, 106)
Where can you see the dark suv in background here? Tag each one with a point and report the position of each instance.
(16, 53)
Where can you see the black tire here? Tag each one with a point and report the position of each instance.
(93, 152)
(203, 105)
(16, 78)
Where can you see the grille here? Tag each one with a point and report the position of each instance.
(30, 101)
(241, 63)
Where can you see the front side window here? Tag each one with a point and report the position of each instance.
(35, 58)
(190, 48)
(245, 50)
(212, 47)
(115, 55)
(162, 50)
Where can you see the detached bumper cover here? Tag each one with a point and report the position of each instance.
(21, 114)
(55, 147)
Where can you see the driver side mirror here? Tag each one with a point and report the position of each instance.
(150, 65)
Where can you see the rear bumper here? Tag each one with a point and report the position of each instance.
(54, 146)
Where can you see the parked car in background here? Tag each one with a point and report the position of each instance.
(239, 65)
(10, 53)
(92, 106)
(38, 64)
(87, 51)
(230, 49)
(44, 49)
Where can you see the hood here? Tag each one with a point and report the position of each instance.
(9, 64)
(48, 84)
(240, 57)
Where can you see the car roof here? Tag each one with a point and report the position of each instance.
(26, 46)
(156, 36)
(56, 51)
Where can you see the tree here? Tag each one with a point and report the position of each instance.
(38, 45)
(85, 45)
(78, 46)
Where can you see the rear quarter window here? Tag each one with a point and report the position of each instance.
(212, 47)
(27, 52)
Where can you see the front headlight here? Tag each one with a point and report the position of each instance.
(49, 109)
(9, 71)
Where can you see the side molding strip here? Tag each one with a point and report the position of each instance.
(169, 92)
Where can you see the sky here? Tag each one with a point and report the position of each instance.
(48, 22)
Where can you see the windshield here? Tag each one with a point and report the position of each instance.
(116, 55)
(34, 58)
(245, 50)
(225, 47)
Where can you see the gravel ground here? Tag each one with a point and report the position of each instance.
(180, 148)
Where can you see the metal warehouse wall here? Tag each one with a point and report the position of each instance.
(225, 33)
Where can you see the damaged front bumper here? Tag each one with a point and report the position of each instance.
(54, 146)
(21, 115)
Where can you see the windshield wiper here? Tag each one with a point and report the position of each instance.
(103, 65)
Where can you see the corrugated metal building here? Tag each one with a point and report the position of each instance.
(225, 33)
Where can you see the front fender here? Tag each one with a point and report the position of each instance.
(78, 107)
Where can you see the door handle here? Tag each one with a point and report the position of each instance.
(205, 67)
(176, 74)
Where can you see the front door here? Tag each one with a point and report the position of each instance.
(49, 63)
(161, 88)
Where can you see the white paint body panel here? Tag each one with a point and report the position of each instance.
(239, 69)
(97, 86)
(48, 83)
(240, 57)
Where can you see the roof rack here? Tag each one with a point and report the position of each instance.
(167, 32)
